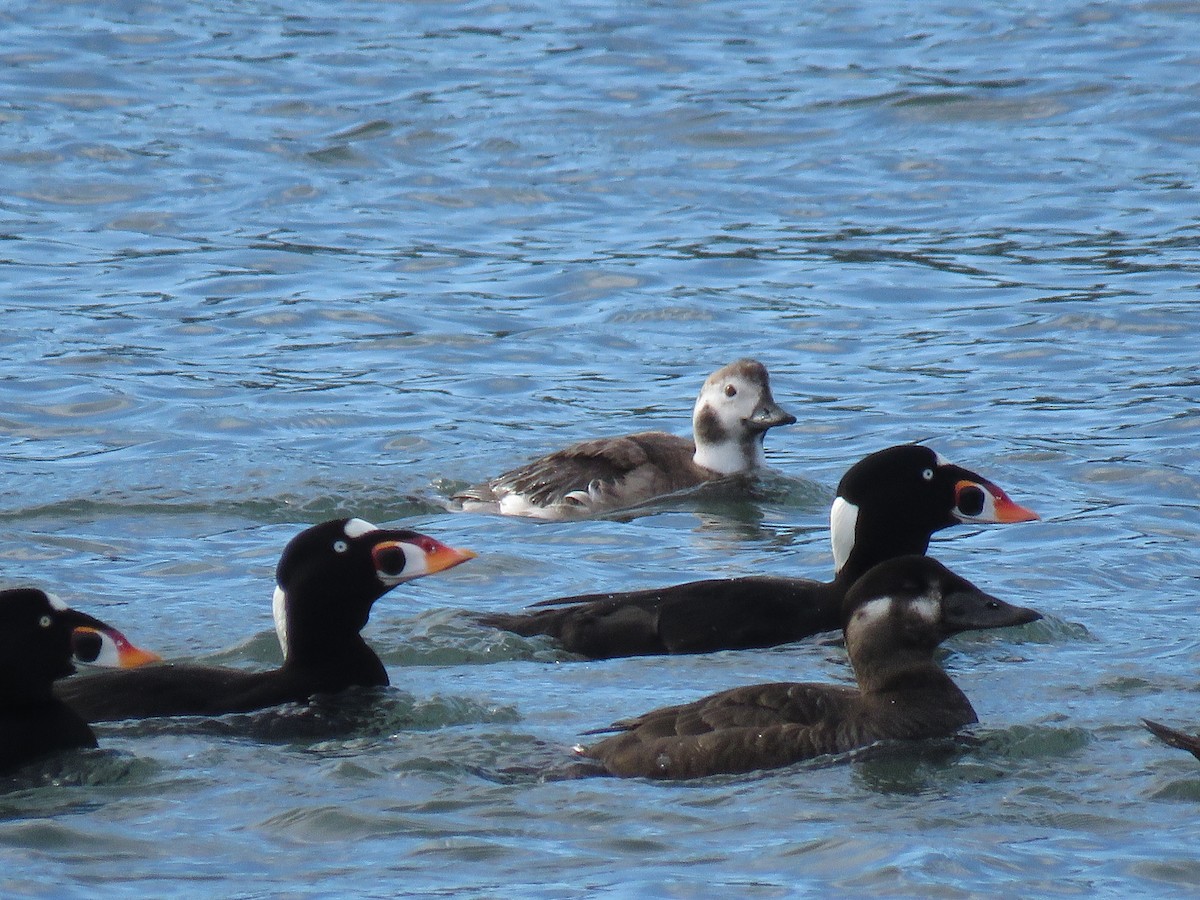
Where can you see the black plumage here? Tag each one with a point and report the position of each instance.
(888, 504)
(328, 578)
(896, 615)
(38, 638)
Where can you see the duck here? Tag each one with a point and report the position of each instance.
(732, 415)
(1175, 738)
(888, 504)
(328, 578)
(40, 639)
(895, 617)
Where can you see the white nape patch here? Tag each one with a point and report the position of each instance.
(941, 460)
(843, 521)
(726, 457)
(279, 610)
(874, 611)
(358, 527)
(55, 601)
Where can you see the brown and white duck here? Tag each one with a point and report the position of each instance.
(731, 417)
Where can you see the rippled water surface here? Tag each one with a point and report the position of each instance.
(267, 263)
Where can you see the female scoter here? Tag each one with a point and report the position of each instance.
(896, 615)
(732, 414)
(888, 504)
(38, 637)
(1173, 737)
(328, 578)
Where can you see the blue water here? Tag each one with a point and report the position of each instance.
(267, 263)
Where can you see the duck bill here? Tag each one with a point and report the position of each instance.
(415, 556)
(768, 414)
(98, 644)
(442, 557)
(978, 500)
(973, 610)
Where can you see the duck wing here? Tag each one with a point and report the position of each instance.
(696, 617)
(591, 476)
(756, 727)
(172, 689)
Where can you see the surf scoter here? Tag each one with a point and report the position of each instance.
(896, 615)
(38, 638)
(888, 504)
(328, 578)
(1173, 737)
(732, 414)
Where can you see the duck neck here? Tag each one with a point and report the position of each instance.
(731, 456)
(335, 649)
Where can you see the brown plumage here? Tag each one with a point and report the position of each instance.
(896, 615)
(732, 414)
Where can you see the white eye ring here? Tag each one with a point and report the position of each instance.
(340, 546)
(45, 621)
(927, 474)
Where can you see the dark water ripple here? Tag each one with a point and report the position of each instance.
(264, 264)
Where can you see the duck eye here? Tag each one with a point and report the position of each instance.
(390, 560)
(45, 622)
(730, 390)
(970, 501)
(340, 546)
(927, 474)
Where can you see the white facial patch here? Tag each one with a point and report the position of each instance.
(926, 608)
(873, 611)
(358, 527)
(55, 602)
(279, 611)
(843, 520)
(941, 460)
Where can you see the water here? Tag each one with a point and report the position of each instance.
(265, 263)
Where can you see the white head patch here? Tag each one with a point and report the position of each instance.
(941, 460)
(55, 602)
(358, 527)
(926, 608)
(279, 610)
(873, 611)
(843, 520)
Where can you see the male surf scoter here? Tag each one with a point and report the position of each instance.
(732, 414)
(328, 578)
(38, 638)
(888, 504)
(896, 615)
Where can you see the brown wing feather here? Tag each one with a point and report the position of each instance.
(756, 727)
(609, 469)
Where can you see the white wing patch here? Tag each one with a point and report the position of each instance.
(358, 527)
(843, 520)
(279, 610)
